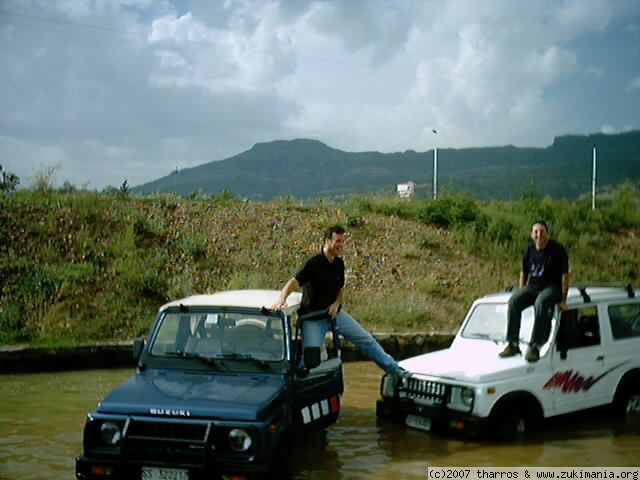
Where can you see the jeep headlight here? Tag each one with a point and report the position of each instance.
(111, 433)
(388, 386)
(461, 398)
(239, 440)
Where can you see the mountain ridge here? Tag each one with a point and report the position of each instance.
(308, 168)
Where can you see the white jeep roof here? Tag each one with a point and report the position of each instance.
(237, 298)
(595, 293)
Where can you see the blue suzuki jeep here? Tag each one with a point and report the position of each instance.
(219, 392)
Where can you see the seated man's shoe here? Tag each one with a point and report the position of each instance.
(533, 355)
(511, 350)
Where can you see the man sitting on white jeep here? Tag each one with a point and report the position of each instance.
(544, 282)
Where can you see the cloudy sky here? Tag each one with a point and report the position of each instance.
(100, 91)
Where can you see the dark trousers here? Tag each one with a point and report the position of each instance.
(543, 300)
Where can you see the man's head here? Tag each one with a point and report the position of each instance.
(334, 238)
(540, 234)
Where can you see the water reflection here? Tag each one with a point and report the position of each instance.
(42, 416)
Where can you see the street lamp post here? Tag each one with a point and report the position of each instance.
(593, 180)
(435, 167)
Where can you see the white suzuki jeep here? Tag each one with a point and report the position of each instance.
(591, 358)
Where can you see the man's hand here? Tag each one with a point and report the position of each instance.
(563, 306)
(278, 306)
(333, 310)
(289, 287)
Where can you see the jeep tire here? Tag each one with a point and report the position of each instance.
(509, 422)
(627, 400)
(280, 468)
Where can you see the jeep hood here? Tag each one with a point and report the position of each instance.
(474, 361)
(169, 393)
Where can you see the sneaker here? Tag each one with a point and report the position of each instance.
(533, 355)
(401, 373)
(511, 350)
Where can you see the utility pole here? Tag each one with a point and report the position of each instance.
(435, 167)
(593, 180)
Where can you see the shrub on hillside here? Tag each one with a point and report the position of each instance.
(622, 210)
(448, 211)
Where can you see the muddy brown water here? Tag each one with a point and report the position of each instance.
(42, 416)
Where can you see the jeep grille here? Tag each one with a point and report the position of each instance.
(178, 442)
(167, 430)
(424, 392)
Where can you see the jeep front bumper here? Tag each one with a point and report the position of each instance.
(104, 469)
(435, 418)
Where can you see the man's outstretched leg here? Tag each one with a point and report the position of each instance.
(350, 329)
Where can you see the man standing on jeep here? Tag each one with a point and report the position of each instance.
(322, 281)
(544, 282)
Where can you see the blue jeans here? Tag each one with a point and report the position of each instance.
(314, 332)
(543, 301)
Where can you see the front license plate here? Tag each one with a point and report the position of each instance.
(421, 423)
(152, 473)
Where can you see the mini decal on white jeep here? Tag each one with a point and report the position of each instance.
(570, 381)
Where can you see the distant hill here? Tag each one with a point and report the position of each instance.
(308, 168)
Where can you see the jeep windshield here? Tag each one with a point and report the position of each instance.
(228, 339)
(488, 321)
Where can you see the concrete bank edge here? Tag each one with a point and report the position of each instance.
(118, 354)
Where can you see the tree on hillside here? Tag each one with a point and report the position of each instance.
(9, 182)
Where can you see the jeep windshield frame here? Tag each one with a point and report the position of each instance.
(488, 321)
(219, 338)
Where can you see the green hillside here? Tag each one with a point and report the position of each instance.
(309, 169)
(85, 266)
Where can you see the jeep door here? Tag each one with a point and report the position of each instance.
(581, 374)
(317, 396)
(317, 391)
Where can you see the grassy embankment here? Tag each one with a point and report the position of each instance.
(82, 266)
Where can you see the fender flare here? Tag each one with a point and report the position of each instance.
(519, 397)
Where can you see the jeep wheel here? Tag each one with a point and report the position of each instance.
(633, 405)
(281, 463)
(509, 423)
(627, 402)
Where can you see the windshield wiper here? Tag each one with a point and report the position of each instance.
(240, 356)
(203, 358)
(484, 336)
(218, 358)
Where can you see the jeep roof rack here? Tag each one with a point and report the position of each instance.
(582, 288)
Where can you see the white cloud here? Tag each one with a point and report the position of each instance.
(578, 17)
(633, 85)
(549, 64)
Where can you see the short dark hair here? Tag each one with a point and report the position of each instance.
(540, 222)
(333, 229)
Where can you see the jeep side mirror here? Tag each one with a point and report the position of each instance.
(311, 357)
(138, 348)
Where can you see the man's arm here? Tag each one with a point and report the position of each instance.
(522, 282)
(291, 286)
(566, 278)
(566, 283)
(334, 308)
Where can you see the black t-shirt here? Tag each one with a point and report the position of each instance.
(545, 267)
(321, 280)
